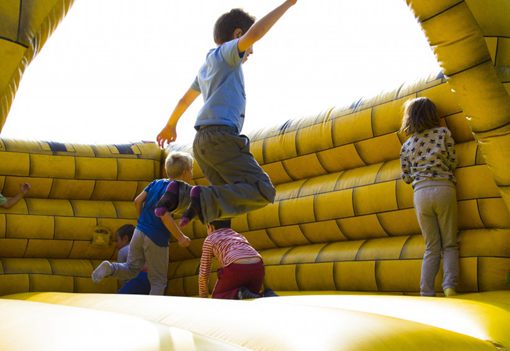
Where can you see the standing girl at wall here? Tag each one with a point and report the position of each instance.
(428, 161)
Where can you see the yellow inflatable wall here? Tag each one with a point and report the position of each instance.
(343, 224)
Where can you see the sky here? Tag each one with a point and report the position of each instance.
(114, 70)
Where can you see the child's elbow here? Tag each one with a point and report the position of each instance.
(137, 202)
(9, 203)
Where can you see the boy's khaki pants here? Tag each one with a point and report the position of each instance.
(238, 183)
(143, 251)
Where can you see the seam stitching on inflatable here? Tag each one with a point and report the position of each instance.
(442, 11)
(27, 240)
(248, 222)
(480, 213)
(493, 129)
(384, 229)
(287, 171)
(496, 53)
(19, 19)
(341, 229)
(397, 187)
(334, 276)
(303, 233)
(376, 279)
(268, 233)
(314, 209)
(296, 273)
(71, 250)
(284, 255)
(359, 155)
(116, 210)
(477, 273)
(358, 253)
(296, 142)
(489, 60)
(404, 246)
(353, 202)
(497, 36)
(13, 41)
(320, 163)
(397, 95)
(300, 189)
(279, 213)
(338, 226)
(320, 253)
(269, 237)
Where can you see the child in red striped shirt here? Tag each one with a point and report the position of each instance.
(241, 271)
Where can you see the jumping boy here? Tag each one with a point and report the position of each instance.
(238, 183)
(149, 244)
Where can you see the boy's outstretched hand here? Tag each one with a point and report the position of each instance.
(166, 136)
(25, 188)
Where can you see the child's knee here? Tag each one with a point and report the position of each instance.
(433, 250)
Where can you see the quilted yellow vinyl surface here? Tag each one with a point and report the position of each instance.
(343, 221)
(320, 322)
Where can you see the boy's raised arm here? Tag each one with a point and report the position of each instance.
(262, 26)
(169, 133)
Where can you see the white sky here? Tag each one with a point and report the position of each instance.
(114, 69)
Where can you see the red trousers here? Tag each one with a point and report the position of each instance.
(234, 276)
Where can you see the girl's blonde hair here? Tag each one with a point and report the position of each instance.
(176, 163)
(419, 114)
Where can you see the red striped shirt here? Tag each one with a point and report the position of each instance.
(227, 246)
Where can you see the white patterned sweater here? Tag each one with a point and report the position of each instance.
(429, 155)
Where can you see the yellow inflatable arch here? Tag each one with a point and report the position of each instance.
(341, 242)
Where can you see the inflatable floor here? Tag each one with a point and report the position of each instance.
(341, 243)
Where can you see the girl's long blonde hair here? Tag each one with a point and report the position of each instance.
(419, 114)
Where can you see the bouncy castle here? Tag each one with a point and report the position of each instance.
(341, 243)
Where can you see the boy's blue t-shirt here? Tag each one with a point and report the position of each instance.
(150, 224)
(221, 82)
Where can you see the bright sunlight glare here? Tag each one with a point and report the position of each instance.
(113, 70)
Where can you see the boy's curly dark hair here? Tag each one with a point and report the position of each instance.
(228, 22)
(222, 223)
